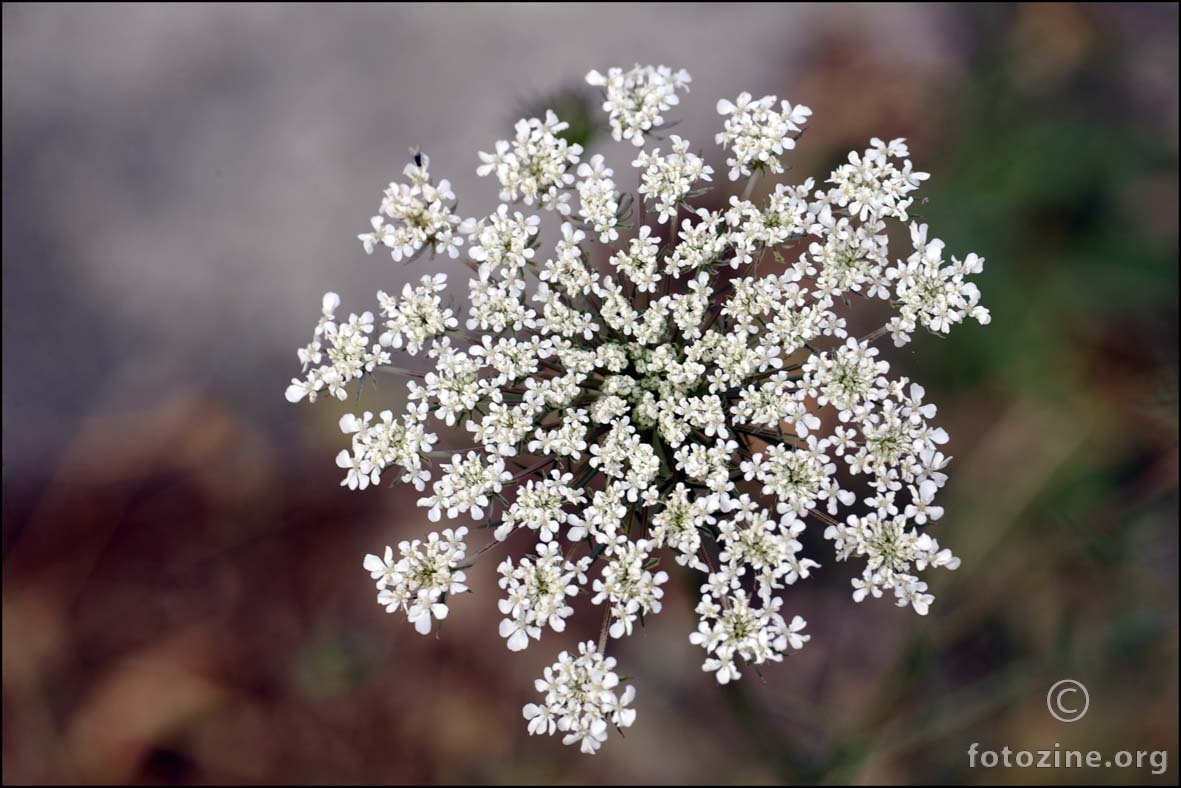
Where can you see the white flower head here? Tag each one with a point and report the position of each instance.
(630, 391)
(758, 133)
(582, 699)
(420, 580)
(636, 99)
(417, 214)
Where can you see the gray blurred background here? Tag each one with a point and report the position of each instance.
(183, 600)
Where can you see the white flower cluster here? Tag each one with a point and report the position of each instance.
(401, 442)
(689, 390)
(757, 134)
(535, 167)
(636, 99)
(417, 317)
(535, 594)
(600, 201)
(581, 699)
(421, 215)
(667, 180)
(420, 581)
(344, 346)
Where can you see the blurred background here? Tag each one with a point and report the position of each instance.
(183, 599)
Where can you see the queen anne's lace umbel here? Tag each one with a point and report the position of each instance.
(668, 381)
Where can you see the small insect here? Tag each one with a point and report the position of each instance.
(417, 155)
